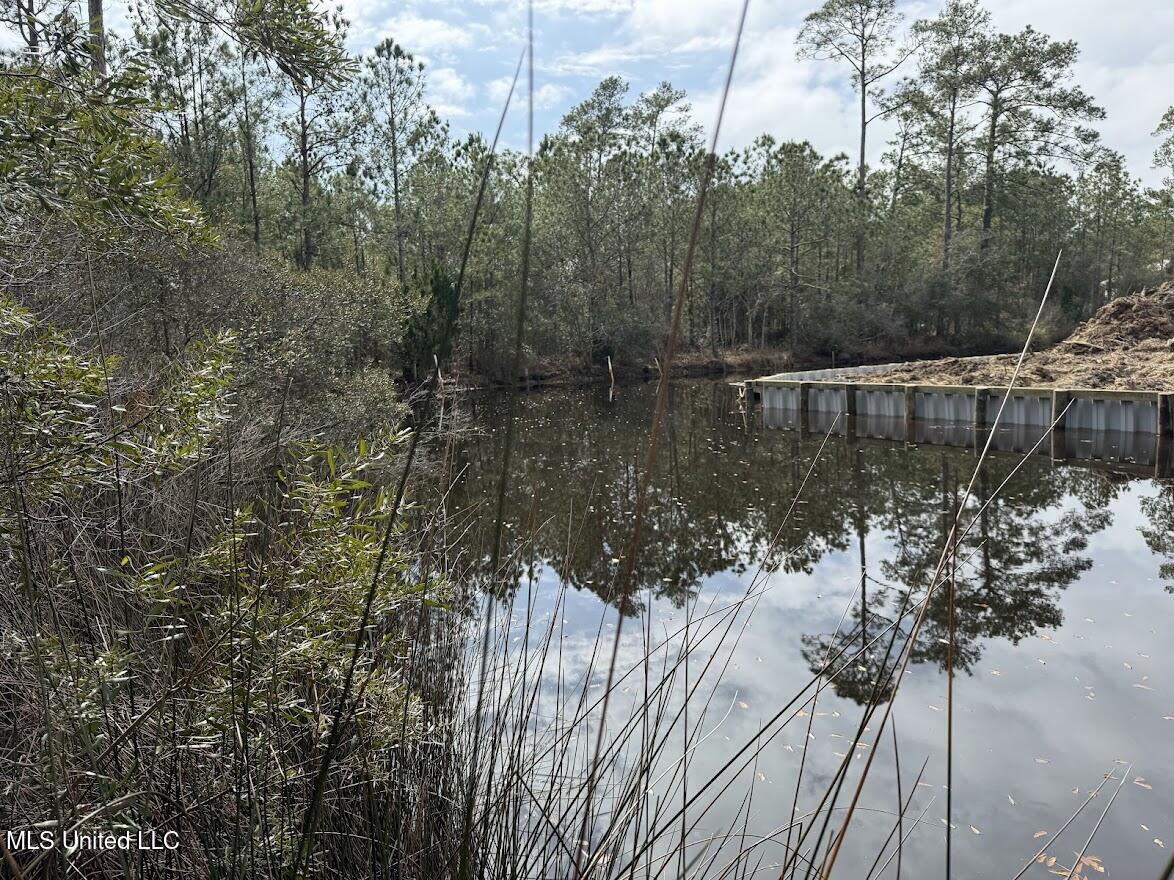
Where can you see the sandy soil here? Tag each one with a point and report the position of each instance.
(1127, 345)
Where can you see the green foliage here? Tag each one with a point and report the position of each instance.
(225, 574)
(429, 334)
(67, 430)
(292, 33)
(858, 32)
(77, 152)
(306, 564)
(1164, 154)
(49, 413)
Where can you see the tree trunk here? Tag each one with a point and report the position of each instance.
(307, 246)
(898, 167)
(28, 26)
(250, 158)
(399, 227)
(988, 187)
(948, 223)
(861, 182)
(97, 43)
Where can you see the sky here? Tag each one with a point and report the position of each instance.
(471, 48)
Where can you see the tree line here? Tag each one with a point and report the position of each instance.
(993, 167)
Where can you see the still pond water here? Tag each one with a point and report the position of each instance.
(1065, 670)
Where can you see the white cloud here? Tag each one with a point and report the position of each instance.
(448, 91)
(497, 89)
(549, 96)
(775, 94)
(418, 34)
(675, 21)
(601, 61)
(546, 97)
(574, 7)
(659, 28)
(1125, 58)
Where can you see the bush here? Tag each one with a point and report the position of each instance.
(180, 599)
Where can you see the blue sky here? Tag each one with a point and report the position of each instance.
(472, 46)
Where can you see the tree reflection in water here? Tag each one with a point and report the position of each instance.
(722, 493)
(1159, 533)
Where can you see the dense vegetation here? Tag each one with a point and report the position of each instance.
(205, 610)
(224, 243)
(996, 165)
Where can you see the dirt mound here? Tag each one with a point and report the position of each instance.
(1128, 321)
(1127, 345)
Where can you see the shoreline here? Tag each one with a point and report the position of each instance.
(687, 364)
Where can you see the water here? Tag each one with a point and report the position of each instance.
(1063, 603)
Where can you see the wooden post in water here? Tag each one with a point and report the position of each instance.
(910, 413)
(1165, 414)
(1060, 401)
(804, 407)
(1165, 405)
(850, 411)
(981, 397)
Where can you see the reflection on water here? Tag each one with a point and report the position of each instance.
(1060, 615)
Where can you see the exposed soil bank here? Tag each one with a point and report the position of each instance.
(1128, 345)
